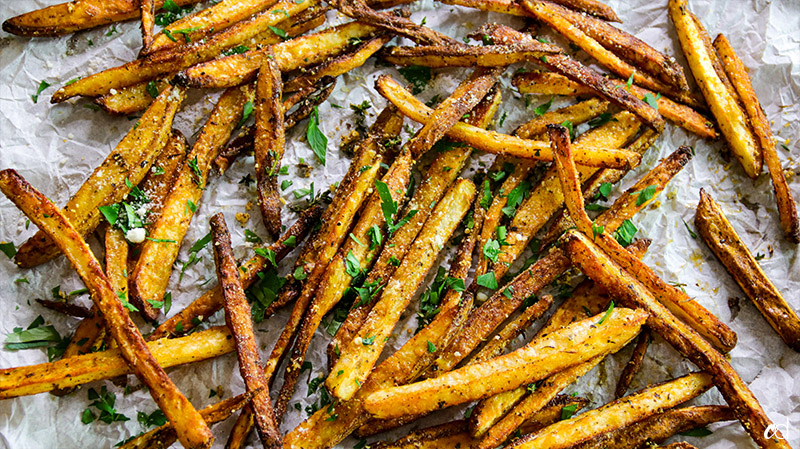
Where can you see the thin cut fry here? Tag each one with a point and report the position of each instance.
(269, 144)
(535, 361)
(494, 142)
(730, 117)
(422, 35)
(190, 426)
(438, 56)
(150, 276)
(512, 7)
(237, 317)
(162, 175)
(634, 365)
(617, 414)
(597, 265)
(540, 82)
(131, 159)
(721, 237)
(67, 308)
(763, 134)
(148, 13)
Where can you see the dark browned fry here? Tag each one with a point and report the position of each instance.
(269, 144)
(147, 10)
(459, 56)
(237, 317)
(634, 365)
(422, 35)
(512, 7)
(67, 308)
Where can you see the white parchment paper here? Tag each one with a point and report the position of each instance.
(56, 146)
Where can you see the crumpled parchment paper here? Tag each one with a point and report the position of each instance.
(56, 146)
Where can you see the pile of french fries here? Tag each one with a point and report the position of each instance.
(367, 247)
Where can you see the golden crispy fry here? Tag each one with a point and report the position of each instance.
(67, 308)
(162, 175)
(191, 429)
(597, 265)
(660, 427)
(85, 368)
(729, 115)
(269, 144)
(147, 10)
(634, 365)
(131, 99)
(578, 113)
(540, 82)
(535, 361)
(494, 142)
(617, 414)
(290, 55)
(131, 159)
(212, 300)
(422, 35)
(339, 65)
(437, 56)
(361, 354)
(163, 437)
(237, 317)
(65, 18)
(150, 276)
(721, 237)
(763, 134)
(715, 58)
(512, 7)
(444, 169)
(207, 21)
(177, 58)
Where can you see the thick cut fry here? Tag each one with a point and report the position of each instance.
(237, 317)
(108, 364)
(540, 82)
(290, 55)
(362, 353)
(729, 115)
(207, 21)
(211, 301)
(494, 142)
(598, 266)
(191, 429)
(173, 60)
(721, 237)
(535, 361)
(65, 18)
(634, 365)
(617, 414)
(659, 427)
(737, 73)
(150, 276)
(444, 169)
(131, 160)
(460, 56)
(269, 144)
(147, 10)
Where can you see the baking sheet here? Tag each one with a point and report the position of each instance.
(56, 146)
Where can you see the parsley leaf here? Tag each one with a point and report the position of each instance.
(42, 86)
(543, 108)
(487, 280)
(316, 139)
(624, 234)
(8, 249)
(568, 410)
(515, 198)
(352, 265)
(607, 314)
(389, 208)
(279, 32)
(645, 195)
(418, 76)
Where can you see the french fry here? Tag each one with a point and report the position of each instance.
(535, 361)
(787, 208)
(660, 427)
(362, 353)
(512, 7)
(617, 414)
(190, 427)
(442, 172)
(178, 58)
(438, 56)
(494, 142)
(131, 159)
(718, 233)
(150, 276)
(290, 55)
(269, 144)
(148, 17)
(162, 175)
(540, 82)
(715, 58)
(67, 308)
(729, 115)
(634, 365)
(237, 317)
(77, 15)
(402, 26)
(117, 262)
(578, 113)
(82, 369)
(598, 266)
(131, 99)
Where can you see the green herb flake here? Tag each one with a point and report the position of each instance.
(418, 76)
(487, 280)
(316, 139)
(645, 195)
(42, 86)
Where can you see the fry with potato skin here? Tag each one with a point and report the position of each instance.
(191, 429)
(402, 26)
(269, 144)
(494, 142)
(591, 7)
(147, 10)
(131, 159)
(540, 82)
(535, 361)
(718, 233)
(159, 181)
(617, 414)
(634, 365)
(77, 15)
(237, 317)
(437, 56)
(149, 278)
(729, 115)
(598, 266)
(787, 208)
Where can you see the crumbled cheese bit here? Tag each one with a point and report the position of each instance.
(135, 235)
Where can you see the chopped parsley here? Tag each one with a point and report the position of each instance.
(389, 208)
(316, 139)
(418, 76)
